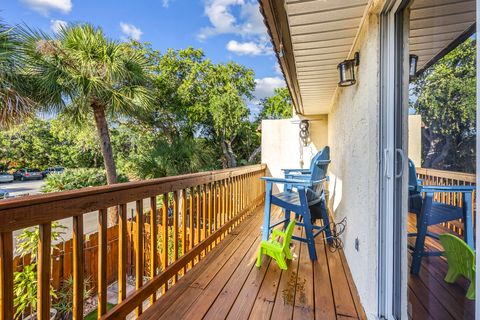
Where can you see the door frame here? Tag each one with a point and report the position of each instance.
(393, 133)
(477, 189)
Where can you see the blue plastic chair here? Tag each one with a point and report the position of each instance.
(430, 212)
(304, 194)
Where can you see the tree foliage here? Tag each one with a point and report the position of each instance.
(197, 101)
(445, 96)
(85, 75)
(278, 106)
(15, 87)
(155, 113)
(72, 179)
(42, 143)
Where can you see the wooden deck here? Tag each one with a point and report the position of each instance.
(227, 285)
(429, 296)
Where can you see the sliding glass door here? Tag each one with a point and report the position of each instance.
(428, 138)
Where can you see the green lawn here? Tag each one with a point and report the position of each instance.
(93, 315)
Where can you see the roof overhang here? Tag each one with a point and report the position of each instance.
(437, 27)
(311, 37)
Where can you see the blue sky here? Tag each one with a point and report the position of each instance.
(225, 29)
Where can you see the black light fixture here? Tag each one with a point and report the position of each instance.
(413, 66)
(346, 70)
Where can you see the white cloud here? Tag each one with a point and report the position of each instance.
(56, 25)
(278, 70)
(221, 15)
(253, 19)
(248, 48)
(131, 31)
(45, 6)
(166, 3)
(266, 86)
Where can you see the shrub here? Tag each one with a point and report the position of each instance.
(64, 303)
(25, 281)
(72, 179)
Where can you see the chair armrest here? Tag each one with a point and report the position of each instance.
(323, 162)
(293, 182)
(297, 176)
(301, 171)
(432, 189)
(277, 233)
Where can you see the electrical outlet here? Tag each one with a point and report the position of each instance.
(357, 244)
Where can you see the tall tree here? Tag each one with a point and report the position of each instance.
(196, 100)
(277, 106)
(444, 95)
(83, 74)
(229, 86)
(15, 103)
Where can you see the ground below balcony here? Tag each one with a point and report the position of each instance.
(227, 285)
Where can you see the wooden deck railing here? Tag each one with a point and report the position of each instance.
(451, 178)
(204, 207)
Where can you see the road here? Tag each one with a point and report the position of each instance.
(90, 220)
(23, 187)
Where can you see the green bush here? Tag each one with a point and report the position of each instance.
(72, 179)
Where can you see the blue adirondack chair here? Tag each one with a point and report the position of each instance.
(430, 212)
(304, 194)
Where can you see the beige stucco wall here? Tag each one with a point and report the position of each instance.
(281, 145)
(353, 127)
(415, 138)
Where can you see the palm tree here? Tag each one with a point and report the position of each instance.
(81, 73)
(15, 104)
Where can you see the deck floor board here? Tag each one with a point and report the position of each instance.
(227, 284)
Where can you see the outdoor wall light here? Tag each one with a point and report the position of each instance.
(346, 71)
(413, 66)
(281, 52)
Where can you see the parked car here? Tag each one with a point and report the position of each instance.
(52, 170)
(28, 174)
(6, 177)
(4, 194)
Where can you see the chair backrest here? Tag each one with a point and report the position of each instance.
(459, 255)
(288, 234)
(318, 171)
(412, 177)
(319, 164)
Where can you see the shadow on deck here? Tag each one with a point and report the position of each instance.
(429, 297)
(227, 285)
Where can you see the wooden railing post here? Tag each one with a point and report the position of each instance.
(44, 271)
(175, 231)
(102, 262)
(78, 265)
(209, 219)
(184, 225)
(165, 235)
(198, 209)
(122, 252)
(153, 242)
(204, 212)
(191, 222)
(6, 276)
(139, 250)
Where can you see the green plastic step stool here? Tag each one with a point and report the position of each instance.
(278, 251)
(461, 261)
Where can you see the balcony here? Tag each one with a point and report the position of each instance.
(191, 254)
(189, 248)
